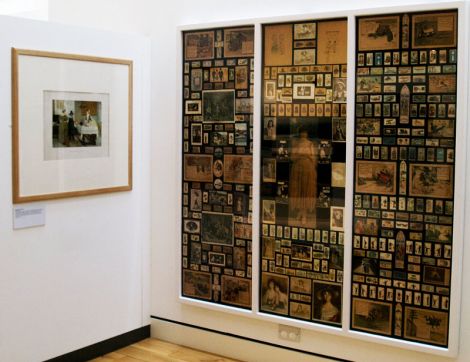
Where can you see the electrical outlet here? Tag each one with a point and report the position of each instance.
(289, 333)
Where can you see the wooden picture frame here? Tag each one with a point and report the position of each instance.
(81, 147)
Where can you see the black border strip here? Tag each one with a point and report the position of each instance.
(104, 347)
(249, 339)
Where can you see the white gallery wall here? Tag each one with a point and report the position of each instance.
(159, 21)
(83, 277)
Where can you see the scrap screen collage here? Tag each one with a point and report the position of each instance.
(402, 221)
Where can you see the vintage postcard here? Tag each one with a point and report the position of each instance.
(438, 233)
(337, 218)
(372, 316)
(379, 33)
(426, 325)
(303, 91)
(304, 31)
(217, 259)
(301, 252)
(198, 168)
(191, 226)
(196, 134)
(339, 90)
(444, 128)
(278, 45)
(217, 228)
(327, 302)
(366, 226)
(336, 257)
(243, 231)
(368, 126)
(195, 253)
(240, 204)
(436, 275)
(369, 84)
(269, 211)
(374, 177)
(218, 75)
(197, 284)
(365, 266)
(244, 105)
(338, 129)
(338, 174)
(442, 83)
(434, 30)
(196, 80)
(218, 106)
(238, 169)
(300, 285)
(199, 45)
(239, 42)
(239, 258)
(269, 170)
(332, 42)
(192, 107)
(431, 180)
(270, 91)
(219, 138)
(241, 77)
(300, 310)
(268, 246)
(274, 293)
(236, 291)
(269, 129)
(304, 56)
(241, 134)
(196, 200)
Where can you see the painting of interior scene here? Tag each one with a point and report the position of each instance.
(76, 123)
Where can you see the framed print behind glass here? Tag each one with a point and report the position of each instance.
(303, 170)
(405, 137)
(218, 79)
(72, 125)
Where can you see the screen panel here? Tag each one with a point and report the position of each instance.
(217, 165)
(405, 118)
(303, 168)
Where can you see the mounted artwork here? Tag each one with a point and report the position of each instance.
(218, 67)
(406, 97)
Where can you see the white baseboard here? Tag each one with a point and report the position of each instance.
(227, 346)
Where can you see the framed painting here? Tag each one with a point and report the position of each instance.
(72, 125)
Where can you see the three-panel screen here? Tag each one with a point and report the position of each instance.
(402, 194)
